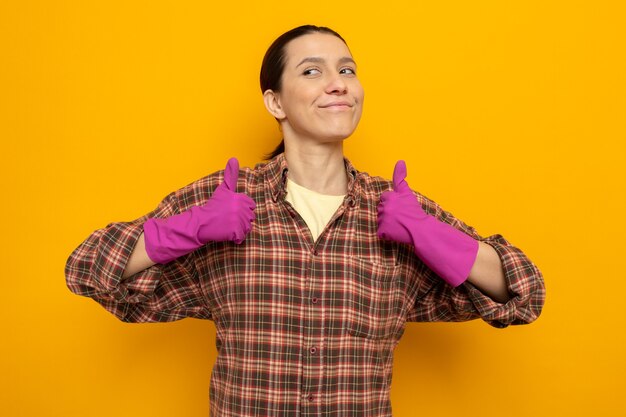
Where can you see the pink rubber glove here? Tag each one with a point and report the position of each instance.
(449, 252)
(226, 216)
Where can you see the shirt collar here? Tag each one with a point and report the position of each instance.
(277, 178)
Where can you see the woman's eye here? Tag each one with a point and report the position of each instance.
(350, 71)
(311, 71)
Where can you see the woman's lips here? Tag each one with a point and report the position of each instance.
(337, 105)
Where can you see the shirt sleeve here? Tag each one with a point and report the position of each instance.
(442, 302)
(157, 294)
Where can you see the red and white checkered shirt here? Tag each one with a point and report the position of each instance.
(304, 328)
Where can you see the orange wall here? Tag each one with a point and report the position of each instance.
(509, 114)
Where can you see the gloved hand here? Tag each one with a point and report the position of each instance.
(226, 216)
(449, 252)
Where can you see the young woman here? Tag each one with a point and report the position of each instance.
(308, 267)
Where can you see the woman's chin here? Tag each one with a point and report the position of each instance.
(338, 134)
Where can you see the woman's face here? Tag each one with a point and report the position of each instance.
(321, 98)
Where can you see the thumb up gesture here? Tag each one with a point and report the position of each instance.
(447, 251)
(398, 209)
(226, 216)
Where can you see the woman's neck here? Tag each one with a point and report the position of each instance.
(319, 168)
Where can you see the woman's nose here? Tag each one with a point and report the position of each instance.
(336, 85)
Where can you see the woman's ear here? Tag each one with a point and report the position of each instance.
(272, 104)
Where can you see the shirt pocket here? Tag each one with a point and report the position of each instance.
(374, 299)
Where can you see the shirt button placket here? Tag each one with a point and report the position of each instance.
(313, 330)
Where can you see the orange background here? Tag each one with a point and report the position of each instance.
(508, 114)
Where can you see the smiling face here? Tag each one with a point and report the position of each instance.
(321, 98)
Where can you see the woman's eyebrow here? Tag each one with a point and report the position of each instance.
(318, 60)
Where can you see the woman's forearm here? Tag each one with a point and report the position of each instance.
(487, 274)
(138, 260)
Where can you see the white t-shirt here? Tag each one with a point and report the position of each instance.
(316, 209)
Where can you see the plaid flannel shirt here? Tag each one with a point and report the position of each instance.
(304, 328)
